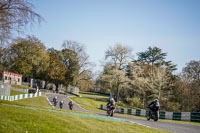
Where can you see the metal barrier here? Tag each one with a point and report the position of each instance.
(21, 96)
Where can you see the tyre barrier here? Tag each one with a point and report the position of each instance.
(21, 96)
(180, 116)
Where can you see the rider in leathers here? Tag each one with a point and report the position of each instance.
(154, 106)
(111, 104)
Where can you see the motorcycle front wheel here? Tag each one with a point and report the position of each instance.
(156, 117)
(148, 116)
(112, 112)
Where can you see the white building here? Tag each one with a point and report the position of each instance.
(11, 78)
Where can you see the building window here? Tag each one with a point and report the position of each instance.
(18, 79)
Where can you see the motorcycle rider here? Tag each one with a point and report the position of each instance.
(70, 105)
(110, 105)
(55, 100)
(154, 106)
(61, 103)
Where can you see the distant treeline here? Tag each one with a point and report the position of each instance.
(137, 82)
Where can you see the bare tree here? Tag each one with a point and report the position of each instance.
(192, 71)
(80, 51)
(14, 15)
(83, 58)
(119, 55)
(116, 80)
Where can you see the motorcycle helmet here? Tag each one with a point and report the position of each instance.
(111, 99)
(155, 100)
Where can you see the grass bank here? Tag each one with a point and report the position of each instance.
(38, 116)
(14, 119)
(83, 93)
(13, 93)
(39, 102)
(90, 103)
(21, 86)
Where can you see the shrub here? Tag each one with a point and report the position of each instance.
(134, 102)
(21, 86)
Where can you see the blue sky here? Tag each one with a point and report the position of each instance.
(172, 25)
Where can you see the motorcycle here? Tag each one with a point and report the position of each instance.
(61, 104)
(110, 110)
(152, 115)
(55, 102)
(71, 105)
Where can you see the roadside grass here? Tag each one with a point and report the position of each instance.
(93, 105)
(21, 86)
(39, 102)
(13, 93)
(15, 119)
(183, 122)
(83, 93)
(90, 103)
(102, 96)
(44, 92)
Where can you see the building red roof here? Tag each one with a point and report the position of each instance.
(10, 73)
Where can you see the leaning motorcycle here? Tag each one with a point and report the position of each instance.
(71, 105)
(61, 105)
(55, 102)
(110, 110)
(152, 115)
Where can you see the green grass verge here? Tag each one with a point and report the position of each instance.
(14, 119)
(93, 104)
(21, 86)
(90, 103)
(39, 102)
(44, 92)
(102, 96)
(82, 93)
(13, 93)
(183, 122)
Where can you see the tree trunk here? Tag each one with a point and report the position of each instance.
(117, 97)
(45, 85)
(144, 97)
(159, 94)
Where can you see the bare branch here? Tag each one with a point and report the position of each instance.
(14, 15)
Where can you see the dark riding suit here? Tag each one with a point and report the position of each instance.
(154, 106)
